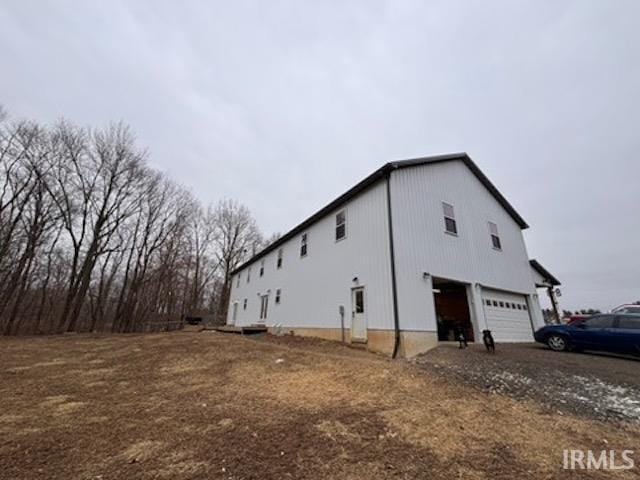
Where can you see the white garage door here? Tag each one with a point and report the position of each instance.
(507, 316)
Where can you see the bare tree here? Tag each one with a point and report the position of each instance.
(95, 192)
(161, 212)
(237, 236)
(273, 238)
(93, 239)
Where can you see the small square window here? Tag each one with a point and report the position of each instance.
(488, 302)
(303, 245)
(508, 305)
(244, 304)
(519, 307)
(495, 304)
(450, 225)
(495, 237)
(279, 261)
(341, 225)
(524, 307)
(448, 210)
(278, 296)
(501, 304)
(262, 268)
(513, 305)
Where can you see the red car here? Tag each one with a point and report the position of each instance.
(573, 319)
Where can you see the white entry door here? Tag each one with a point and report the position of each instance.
(507, 316)
(358, 316)
(234, 313)
(264, 305)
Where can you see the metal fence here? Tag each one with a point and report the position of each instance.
(160, 325)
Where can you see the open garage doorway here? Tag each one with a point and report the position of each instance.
(452, 310)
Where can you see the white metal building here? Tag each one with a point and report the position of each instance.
(415, 253)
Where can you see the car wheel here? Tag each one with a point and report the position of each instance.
(557, 343)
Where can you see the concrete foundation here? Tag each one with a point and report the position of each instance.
(412, 343)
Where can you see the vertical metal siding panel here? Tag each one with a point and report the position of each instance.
(313, 287)
(423, 246)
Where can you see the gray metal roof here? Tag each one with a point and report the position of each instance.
(544, 273)
(380, 173)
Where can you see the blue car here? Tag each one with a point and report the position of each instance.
(610, 332)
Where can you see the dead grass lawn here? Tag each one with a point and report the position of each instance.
(208, 405)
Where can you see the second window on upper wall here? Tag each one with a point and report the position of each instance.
(262, 268)
(303, 245)
(341, 225)
(279, 261)
(495, 237)
(449, 219)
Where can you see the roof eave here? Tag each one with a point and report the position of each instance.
(476, 171)
(373, 178)
(349, 194)
(544, 272)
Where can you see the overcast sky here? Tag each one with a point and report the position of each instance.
(285, 105)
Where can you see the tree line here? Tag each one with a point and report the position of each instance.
(92, 239)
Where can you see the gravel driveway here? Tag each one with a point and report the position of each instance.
(593, 385)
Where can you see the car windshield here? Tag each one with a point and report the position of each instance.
(633, 309)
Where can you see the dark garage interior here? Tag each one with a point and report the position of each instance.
(452, 310)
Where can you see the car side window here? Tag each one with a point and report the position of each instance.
(603, 321)
(629, 323)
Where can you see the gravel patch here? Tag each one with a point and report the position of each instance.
(596, 386)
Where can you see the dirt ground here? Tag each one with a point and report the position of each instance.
(599, 386)
(208, 405)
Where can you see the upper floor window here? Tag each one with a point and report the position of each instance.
(279, 261)
(278, 292)
(244, 304)
(238, 281)
(341, 225)
(262, 268)
(449, 219)
(248, 274)
(303, 245)
(495, 238)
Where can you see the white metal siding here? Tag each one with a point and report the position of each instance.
(507, 316)
(422, 245)
(313, 287)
